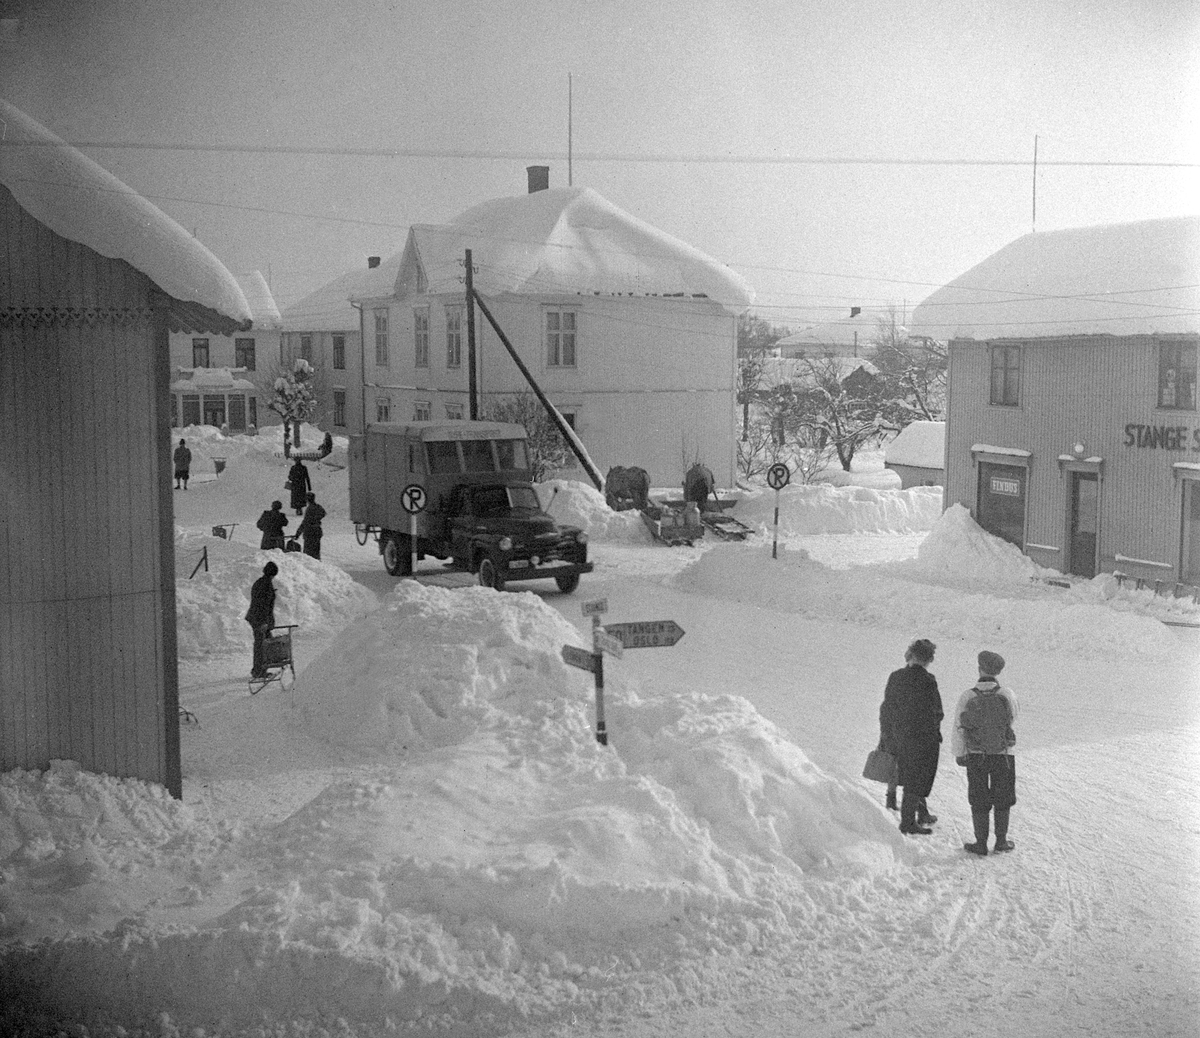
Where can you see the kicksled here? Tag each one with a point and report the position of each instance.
(277, 660)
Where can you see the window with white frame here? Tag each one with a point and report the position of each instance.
(1006, 376)
(561, 329)
(381, 339)
(421, 336)
(243, 354)
(383, 409)
(339, 353)
(422, 411)
(199, 353)
(454, 317)
(1177, 375)
(454, 412)
(339, 407)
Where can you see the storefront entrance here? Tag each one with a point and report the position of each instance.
(1190, 563)
(1001, 505)
(1084, 513)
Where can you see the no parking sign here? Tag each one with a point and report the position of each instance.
(778, 476)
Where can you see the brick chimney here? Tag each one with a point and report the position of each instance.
(539, 178)
(372, 262)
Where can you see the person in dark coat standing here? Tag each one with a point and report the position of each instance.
(310, 527)
(910, 724)
(272, 522)
(261, 616)
(183, 464)
(300, 484)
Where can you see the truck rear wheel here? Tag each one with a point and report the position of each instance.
(567, 584)
(489, 574)
(397, 555)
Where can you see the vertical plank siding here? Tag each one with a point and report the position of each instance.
(1083, 389)
(86, 573)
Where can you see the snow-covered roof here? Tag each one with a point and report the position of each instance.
(211, 378)
(848, 332)
(1137, 278)
(566, 241)
(777, 370)
(262, 304)
(922, 444)
(328, 309)
(82, 202)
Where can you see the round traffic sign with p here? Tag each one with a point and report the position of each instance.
(412, 498)
(778, 476)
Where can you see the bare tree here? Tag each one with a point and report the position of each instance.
(913, 368)
(294, 401)
(547, 449)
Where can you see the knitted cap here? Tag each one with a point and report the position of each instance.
(990, 663)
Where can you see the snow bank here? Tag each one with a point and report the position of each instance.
(486, 860)
(963, 581)
(818, 508)
(580, 504)
(210, 607)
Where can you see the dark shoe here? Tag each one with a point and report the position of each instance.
(1004, 845)
(916, 830)
(926, 819)
(976, 848)
(890, 803)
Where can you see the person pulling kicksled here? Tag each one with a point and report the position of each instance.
(982, 742)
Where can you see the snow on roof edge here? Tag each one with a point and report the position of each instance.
(81, 201)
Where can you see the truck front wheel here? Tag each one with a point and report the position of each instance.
(397, 555)
(489, 574)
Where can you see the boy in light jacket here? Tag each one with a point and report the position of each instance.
(982, 742)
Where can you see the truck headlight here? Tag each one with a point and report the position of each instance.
(505, 544)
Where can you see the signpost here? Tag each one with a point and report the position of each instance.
(778, 476)
(614, 639)
(413, 501)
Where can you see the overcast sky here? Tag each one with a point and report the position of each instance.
(714, 120)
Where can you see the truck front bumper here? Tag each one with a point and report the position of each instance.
(522, 569)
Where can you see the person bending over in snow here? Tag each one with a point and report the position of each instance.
(272, 522)
(983, 741)
(910, 723)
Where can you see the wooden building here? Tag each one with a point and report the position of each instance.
(918, 455)
(631, 333)
(93, 279)
(1072, 424)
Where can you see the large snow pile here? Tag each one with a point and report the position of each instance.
(962, 581)
(819, 508)
(211, 604)
(572, 503)
(490, 858)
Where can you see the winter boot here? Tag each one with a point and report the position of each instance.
(979, 819)
(890, 803)
(908, 817)
(1003, 843)
(923, 815)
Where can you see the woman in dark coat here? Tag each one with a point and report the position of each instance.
(272, 522)
(261, 616)
(310, 527)
(910, 723)
(301, 485)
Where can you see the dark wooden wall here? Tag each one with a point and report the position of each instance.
(87, 586)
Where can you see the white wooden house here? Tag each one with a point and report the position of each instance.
(1073, 427)
(93, 279)
(630, 332)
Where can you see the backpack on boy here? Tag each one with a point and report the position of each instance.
(987, 723)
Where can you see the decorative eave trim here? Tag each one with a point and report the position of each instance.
(74, 316)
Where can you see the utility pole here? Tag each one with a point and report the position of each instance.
(472, 387)
(570, 179)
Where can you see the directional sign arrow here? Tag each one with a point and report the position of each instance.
(580, 658)
(646, 634)
(607, 643)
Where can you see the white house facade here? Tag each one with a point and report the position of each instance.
(628, 331)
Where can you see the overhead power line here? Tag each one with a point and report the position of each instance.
(597, 156)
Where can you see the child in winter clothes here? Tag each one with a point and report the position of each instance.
(982, 742)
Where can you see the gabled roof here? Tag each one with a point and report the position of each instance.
(563, 241)
(82, 202)
(921, 444)
(847, 332)
(1138, 278)
(800, 370)
(328, 309)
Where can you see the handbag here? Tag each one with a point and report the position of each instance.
(880, 767)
